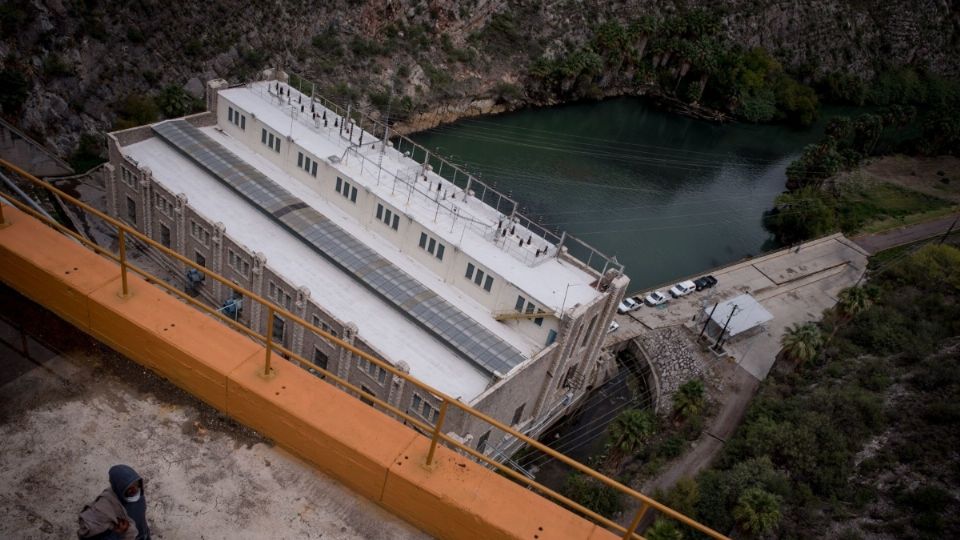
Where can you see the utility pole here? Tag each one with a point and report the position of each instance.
(706, 322)
(386, 135)
(946, 234)
(719, 342)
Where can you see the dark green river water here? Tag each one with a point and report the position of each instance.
(668, 195)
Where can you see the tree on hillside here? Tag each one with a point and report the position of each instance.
(689, 399)
(801, 342)
(757, 512)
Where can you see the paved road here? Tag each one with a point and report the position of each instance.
(873, 243)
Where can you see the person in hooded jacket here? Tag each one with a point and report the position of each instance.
(128, 486)
(120, 512)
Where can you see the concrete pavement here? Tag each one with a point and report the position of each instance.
(795, 285)
(67, 414)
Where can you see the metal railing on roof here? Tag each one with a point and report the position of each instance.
(589, 257)
(127, 233)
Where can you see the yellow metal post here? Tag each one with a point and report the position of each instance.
(636, 521)
(266, 365)
(436, 432)
(124, 291)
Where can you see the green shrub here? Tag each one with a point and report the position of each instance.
(592, 494)
(136, 110)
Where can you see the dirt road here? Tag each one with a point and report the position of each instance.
(873, 243)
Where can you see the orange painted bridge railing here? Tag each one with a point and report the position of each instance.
(264, 397)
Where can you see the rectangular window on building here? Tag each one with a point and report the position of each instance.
(440, 251)
(243, 122)
(270, 139)
(299, 159)
(488, 284)
(263, 136)
(470, 269)
(396, 223)
(482, 442)
(199, 233)
(417, 401)
(163, 204)
(367, 391)
(200, 259)
(131, 210)
(339, 184)
(238, 263)
(379, 211)
(388, 215)
(128, 178)
(423, 241)
(164, 235)
(518, 415)
(538, 321)
(353, 194)
(230, 114)
(478, 277)
(519, 305)
(551, 337)
(306, 165)
(278, 328)
(277, 144)
(319, 358)
(431, 246)
(313, 169)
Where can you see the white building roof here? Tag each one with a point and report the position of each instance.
(546, 282)
(749, 314)
(389, 332)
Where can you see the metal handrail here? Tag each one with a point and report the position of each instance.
(471, 180)
(436, 434)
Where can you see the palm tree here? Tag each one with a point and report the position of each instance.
(852, 301)
(630, 430)
(757, 512)
(801, 342)
(688, 399)
(663, 529)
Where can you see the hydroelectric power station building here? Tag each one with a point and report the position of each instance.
(384, 245)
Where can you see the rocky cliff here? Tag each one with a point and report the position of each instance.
(440, 59)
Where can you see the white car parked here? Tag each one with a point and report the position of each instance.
(682, 289)
(614, 326)
(656, 298)
(628, 304)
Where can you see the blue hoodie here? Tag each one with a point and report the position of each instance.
(121, 478)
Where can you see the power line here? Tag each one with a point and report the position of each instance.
(564, 135)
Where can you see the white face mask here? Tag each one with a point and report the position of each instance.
(133, 499)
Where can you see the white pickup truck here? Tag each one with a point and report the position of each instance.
(682, 289)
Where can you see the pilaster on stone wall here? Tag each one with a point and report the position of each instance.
(146, 189)
(109, 172)
(256, 284)
(300, 309)
(216, 265)
(180, 220)
(563, 342)
(345, 357)
(395, 392)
